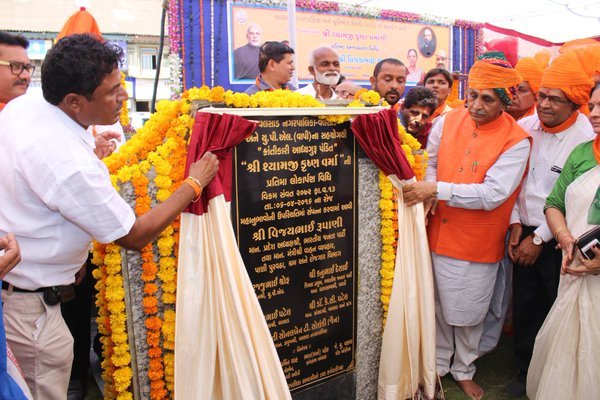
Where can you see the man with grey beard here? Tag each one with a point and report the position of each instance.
(324, 66)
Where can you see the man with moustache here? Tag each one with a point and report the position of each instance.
(389, 80)
(276, 65)
(556, 129)
(419, 104)
(15, 75)
(324, 66)
(15, 67)
(245, 58)
(56, 196)
(477, 157)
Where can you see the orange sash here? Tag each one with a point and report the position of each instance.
(566, 124)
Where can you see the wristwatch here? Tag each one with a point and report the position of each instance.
(537, 240)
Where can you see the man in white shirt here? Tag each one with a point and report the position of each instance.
(324, 66)
(56, 196)
(556, 129)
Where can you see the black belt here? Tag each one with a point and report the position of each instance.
(52, 295)
(6, 286)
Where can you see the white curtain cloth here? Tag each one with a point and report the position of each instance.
(223, 347)
(407, 365)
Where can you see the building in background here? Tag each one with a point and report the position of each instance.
(134, 25)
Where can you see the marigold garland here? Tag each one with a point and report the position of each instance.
(388, 205)
(158, 149)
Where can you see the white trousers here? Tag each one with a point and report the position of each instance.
(463, 292)
(462, 342)
(40, 341)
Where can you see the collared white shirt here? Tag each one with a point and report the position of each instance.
(311, 91)
(55, 194)
(548, 156)
(501, 180)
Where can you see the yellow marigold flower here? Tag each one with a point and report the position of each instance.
(124, 396)
(388, 265)
(122, 378)
(216, 94)
(385, 204)
(165, 245)
(122, 360)
(169, 298)
(386, 291)
(116, 307)
(163, 194)
(97, 273)
(120, 338)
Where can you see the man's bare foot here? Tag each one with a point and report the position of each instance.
(471, 389)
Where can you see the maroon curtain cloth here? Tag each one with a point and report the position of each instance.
(378, 137)
(217, 134)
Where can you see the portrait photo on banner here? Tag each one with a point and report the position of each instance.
(359, 41)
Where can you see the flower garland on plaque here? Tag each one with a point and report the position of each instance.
(149, 167)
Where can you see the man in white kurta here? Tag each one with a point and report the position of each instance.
(477, 158)
(324, 66)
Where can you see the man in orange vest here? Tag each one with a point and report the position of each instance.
(477, 158)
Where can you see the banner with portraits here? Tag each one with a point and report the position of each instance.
(360, 42)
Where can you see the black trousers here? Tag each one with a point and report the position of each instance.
(534, 292)
(77, 314)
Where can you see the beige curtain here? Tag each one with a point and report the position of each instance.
(223, 348)
(407, 365)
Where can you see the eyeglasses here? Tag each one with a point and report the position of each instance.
(17, 68)
(553, 100)
(344, 94)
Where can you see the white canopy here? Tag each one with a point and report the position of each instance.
(553, 20)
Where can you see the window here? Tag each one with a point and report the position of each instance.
(142, 106)
(148, 58)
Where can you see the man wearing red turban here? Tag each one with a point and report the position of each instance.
(477, 157)
(556, 130)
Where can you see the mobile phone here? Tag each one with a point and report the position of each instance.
(587, 249)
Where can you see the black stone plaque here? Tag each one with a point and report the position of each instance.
(294, 214)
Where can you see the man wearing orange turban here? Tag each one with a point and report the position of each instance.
(556, 130)
(523, 104)
(589, 56)
(477, 157)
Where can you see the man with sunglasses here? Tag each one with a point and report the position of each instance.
(15, 67)
(556, 129)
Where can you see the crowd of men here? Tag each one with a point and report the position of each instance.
(492, 162)
(484, 190)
